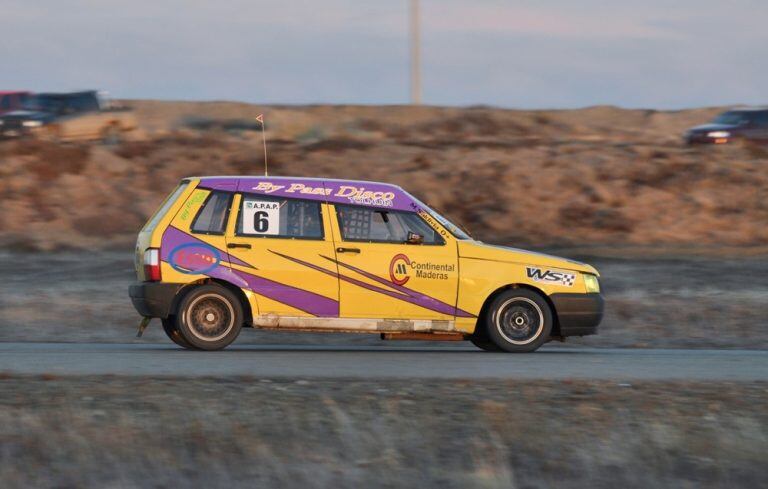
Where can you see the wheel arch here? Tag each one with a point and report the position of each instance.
(487, 304)
(245, 304)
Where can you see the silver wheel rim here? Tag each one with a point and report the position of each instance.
(210, 317)
(519, 320)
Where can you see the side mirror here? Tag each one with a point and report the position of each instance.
(415, 239)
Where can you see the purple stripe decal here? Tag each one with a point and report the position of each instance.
(420, 299)
(303, 300)
(173, 237)
(371, 194)
(405, 294)
(351, 280)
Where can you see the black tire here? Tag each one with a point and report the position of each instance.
(519, 321)
(169, 326)
(209, 317)
(485, 344)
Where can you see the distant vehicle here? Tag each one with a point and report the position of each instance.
(75, 116)
(340, 255)
(750, 124)
(12, 101)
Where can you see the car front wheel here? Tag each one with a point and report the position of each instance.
(209, 317)
(519, 321)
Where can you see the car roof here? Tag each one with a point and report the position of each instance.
(13, 92)
(360, 192)
(286, 179)
(67, 94)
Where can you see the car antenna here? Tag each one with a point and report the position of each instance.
(260, 118)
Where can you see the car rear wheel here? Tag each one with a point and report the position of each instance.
(209, 317)
(519, 321)
(169, 326)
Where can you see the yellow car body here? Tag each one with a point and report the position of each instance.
(335, 255)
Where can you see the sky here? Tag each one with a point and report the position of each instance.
(519, 54)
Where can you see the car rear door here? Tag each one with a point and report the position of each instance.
(279, 245)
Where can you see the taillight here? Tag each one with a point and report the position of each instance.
(152, 265)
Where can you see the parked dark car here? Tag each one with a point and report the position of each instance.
(67, 117)
(12, 100)
(749, 124)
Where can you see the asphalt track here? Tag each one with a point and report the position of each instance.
(385, 362)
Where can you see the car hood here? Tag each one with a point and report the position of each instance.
(480, 251)
(713, 127)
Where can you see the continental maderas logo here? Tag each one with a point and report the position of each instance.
(402, 268)
(398, 269)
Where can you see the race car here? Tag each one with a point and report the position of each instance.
(303, 254)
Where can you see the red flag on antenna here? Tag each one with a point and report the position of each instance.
(260, 118)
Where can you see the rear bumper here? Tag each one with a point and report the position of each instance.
(153, 299)
(578, 314)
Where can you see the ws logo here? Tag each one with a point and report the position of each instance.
(550, 276)
(398, 269)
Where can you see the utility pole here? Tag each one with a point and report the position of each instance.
(415, 54)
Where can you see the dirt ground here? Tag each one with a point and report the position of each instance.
(652, 302)
(249, 432)
(596, 176)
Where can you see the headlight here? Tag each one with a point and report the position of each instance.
(31, 123)
(591, 283)
(719, 134)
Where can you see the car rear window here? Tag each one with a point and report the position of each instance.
(152, 223)
(271, 217)
(212, 217)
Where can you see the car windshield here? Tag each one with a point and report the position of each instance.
(731, 118)
(43, 103)
(63, 103)
(458, 231)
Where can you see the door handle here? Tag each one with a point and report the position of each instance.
(348, 250)
(239, 245)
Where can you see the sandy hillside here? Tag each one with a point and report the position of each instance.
(595, 176)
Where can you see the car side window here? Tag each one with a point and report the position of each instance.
(383, 225)
(270, 217)
(212, 216)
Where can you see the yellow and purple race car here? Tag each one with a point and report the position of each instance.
(314, 255)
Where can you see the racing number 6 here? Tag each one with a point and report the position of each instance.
(260, 221)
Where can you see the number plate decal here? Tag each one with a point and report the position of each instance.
(261, 217)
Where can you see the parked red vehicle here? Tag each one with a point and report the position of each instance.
(12, 100)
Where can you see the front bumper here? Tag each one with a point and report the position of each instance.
(8, 131)
(702, 138)
(153, 299)
(578, 314)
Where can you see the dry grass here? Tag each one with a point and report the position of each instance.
(599, 175)
(247, 432)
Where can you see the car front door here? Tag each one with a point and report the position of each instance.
(393, 265)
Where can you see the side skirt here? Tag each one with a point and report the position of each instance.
(354, 325)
